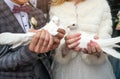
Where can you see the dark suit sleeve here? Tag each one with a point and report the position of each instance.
(11, 58)
(20, 56)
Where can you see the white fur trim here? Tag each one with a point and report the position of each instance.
(66, 59)
(93, 60)
(93, 16)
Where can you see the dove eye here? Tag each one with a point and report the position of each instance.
(73, 25)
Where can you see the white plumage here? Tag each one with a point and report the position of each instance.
(91, 18)
(105, 44)
(17, 39)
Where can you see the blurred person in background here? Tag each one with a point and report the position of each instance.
(115, 8)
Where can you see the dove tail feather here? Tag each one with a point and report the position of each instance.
(20, 38)
(117, 46)
(109, 42)
(111, 52)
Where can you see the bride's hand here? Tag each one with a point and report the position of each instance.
(93, 49)
(72, 42)
(57, 38)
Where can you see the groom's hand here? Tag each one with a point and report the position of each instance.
(57, 38)
(41, 42)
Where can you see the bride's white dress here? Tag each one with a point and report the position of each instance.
(77, 69)
(93, 17)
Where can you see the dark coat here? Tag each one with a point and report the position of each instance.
(20, 63)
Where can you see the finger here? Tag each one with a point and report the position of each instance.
(73, 40)
(34, 41)
(73, 45)
(72, 36)
(98, 49)
(50, 44)
(56, 40)
(59, 35)
(45, 42)
(54, 46)
(41, 41)
(93, 47)
(89, 48)
(85, 50)
(93, 50)
(61, 30)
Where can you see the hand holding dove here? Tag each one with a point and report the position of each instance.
(23, 39)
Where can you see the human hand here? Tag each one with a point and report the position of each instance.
(72, 42)
(93, 49)
(41, 42)
(57, 38)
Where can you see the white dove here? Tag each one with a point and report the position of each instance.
(105, 44)
(18, 39)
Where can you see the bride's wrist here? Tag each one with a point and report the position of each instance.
(98, 54)
(65, 50)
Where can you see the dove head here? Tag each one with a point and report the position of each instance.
(72, 27)
(55, 20)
